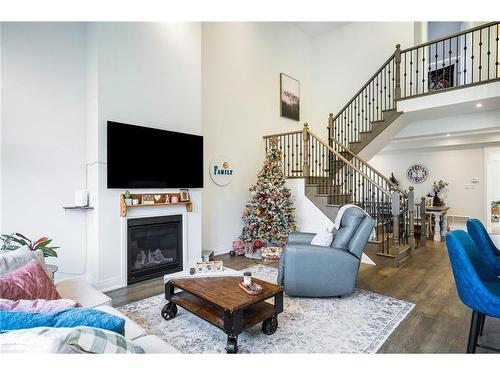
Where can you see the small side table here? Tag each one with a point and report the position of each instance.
(440, 220)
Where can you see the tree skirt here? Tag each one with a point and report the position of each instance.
(356, 324)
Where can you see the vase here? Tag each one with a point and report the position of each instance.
(437, 201)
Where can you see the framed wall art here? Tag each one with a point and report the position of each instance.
(290, 97)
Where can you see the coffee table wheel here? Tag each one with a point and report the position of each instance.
(169, 311)
(232, 345)
(269, 326)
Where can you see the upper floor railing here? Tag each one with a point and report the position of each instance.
(464, 59)
(469, 57)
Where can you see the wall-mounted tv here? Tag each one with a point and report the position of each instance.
(142, 157)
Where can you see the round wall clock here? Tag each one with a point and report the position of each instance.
(417, 173)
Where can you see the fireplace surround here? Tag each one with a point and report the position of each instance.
(154, 247)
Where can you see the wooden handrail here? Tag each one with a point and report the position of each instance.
(312, 134)
(471, 30)
(331, 149)
(368, 165)
(282, 134)
(364, 87)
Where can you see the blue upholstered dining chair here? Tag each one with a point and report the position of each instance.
(483, 241)
(477, 284)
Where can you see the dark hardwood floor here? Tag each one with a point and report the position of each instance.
(439, 323)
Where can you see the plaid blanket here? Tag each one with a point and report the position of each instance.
(66, 340)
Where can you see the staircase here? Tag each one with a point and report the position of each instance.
(336, 178)
(334, 172)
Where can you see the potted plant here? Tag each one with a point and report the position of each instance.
(128, 199)
(439, 187)
(16, 240)
(393, 179)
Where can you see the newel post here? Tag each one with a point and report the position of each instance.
(305, 151)
(411, 214)
(396, 209)
(397, 73)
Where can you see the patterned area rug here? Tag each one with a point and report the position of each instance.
(356, 324)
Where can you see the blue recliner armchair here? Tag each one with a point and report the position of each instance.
(316, 271)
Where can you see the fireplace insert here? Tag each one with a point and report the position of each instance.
(154, 247)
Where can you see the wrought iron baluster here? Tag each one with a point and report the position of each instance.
(472, 59)
(405, 75)
(497, 51)
(480, 54)
(465, 59)
(411, 73)
(457, 67)
(416, 73)
(449, 59)
(489, 51)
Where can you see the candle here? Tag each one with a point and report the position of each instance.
(247, 278)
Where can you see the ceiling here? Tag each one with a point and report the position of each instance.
(462, 108)
(314, 29)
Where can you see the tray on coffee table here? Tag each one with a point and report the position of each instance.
(221, 302)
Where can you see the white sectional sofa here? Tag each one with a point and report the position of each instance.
(82, 292)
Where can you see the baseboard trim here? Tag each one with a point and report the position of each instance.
(219, 250)
(108, 284)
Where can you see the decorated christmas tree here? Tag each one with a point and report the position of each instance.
(269, 215)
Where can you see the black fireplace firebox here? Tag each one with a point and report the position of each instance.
(154, 247)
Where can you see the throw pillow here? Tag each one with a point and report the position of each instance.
(11, 320)
(37, 305)
(15, 259)
(323, 238)
(66, 340)
(28, 282)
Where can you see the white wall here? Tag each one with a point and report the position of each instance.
(148, 74)
(1, 119)
(455, 166)
(345, 58)
(450, 140)
(242, 63)
(61, 83)
(43, 134)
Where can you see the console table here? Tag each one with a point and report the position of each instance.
(440, 217)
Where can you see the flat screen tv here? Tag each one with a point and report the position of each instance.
(141, 157)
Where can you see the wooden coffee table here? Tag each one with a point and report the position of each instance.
(221, 302)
